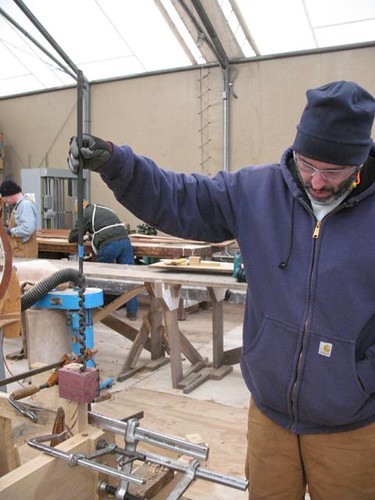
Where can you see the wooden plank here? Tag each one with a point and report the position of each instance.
(221, 372)
(217, 334)
(157, 328)
(197, 293)
(190, 376)
(45, 476)
(156, 477)
(174, 341)
(137, 347)
(173, 239)
(124, 329)
(232, 356)
(116, 303)
(191, 373)
(11, 305)
(125, 375)
(134, 237)
(201, 377)
(56, 241)
(156, 363)
(53, 233)
(170, 487)
(146, 274)
(9, 457)
(188, 349)
(160, 250)
(208, 266)
(6, 409)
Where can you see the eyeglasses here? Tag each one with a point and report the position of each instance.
(329, 174)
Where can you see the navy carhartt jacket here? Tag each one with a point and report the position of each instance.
(309, 327)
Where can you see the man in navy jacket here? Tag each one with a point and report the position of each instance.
(305, 228)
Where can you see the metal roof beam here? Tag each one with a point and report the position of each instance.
(36, 43)
(245, 29)
(219, 49)
(175, 31)
(47, 36)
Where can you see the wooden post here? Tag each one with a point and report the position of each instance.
(9, 456)
(156, 319)
(217, 296)
(170, 296)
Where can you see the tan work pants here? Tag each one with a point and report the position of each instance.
(338, 466)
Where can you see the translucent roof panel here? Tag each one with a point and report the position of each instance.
(117, 38)
(293, 25)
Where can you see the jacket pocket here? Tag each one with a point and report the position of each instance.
(330, 391)
(270, 361)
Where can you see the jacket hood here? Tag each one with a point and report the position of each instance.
(365, 187)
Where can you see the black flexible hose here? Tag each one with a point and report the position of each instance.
(47, 284)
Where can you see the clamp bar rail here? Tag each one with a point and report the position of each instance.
(79, 459)
(151, 437)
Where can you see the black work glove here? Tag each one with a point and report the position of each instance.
(93, 154)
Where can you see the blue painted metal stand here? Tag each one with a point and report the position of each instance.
(68, 300)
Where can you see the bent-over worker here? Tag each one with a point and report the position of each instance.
(305, 228)
(109, 240)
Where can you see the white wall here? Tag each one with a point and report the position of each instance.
(160, 115)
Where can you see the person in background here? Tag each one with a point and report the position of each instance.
(109, 241)
(22, 224)
(305, 228)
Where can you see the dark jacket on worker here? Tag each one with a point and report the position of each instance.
(309, 327)
(102, 224)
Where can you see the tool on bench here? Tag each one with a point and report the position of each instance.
(59, 427)
(33, 389)
(52, 379)
(30, 373)
(239, 268)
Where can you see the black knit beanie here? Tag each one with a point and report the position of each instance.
(336, 124)
(9, 188)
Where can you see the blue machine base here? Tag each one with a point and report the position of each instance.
(69, 300)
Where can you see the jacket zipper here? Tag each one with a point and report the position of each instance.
(315, 237)
(316, 230)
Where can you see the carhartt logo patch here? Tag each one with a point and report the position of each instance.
(325, 349)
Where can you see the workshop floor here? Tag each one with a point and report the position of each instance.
(215, 413)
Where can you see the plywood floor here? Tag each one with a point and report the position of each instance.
(215, 412)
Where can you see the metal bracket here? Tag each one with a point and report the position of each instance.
(185, 482)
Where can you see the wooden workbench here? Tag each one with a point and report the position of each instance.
(159, 332)
(55, 241)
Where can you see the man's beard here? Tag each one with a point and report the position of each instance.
(336, 192)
